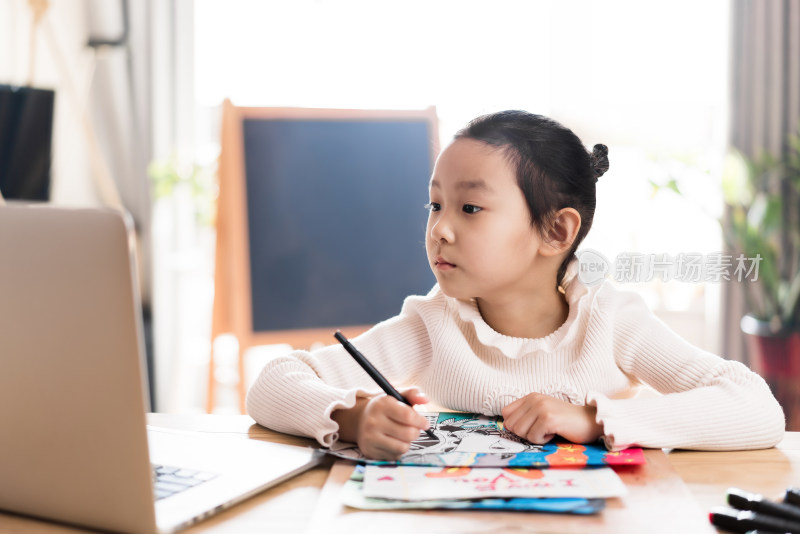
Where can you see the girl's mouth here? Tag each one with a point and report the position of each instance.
(443, 265)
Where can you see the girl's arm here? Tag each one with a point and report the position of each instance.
(706, 402)
(299, 392)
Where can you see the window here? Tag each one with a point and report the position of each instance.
(649, 80)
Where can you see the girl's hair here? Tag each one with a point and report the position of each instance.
(554, 170)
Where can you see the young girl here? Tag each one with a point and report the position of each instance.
(510, 330)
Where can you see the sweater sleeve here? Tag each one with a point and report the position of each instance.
(705, 401)
(297, 393)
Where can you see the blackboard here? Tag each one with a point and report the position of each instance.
(321, 224)
(336, 219)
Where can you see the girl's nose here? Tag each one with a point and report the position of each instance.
(441, 230)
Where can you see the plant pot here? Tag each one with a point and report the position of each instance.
(775, 354)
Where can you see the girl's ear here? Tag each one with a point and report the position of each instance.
(561, 233)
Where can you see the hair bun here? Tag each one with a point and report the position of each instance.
(599, 160)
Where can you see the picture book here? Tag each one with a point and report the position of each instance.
(353, 496)
(468, 439)
(412, 482)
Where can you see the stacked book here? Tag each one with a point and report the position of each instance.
(472, 462)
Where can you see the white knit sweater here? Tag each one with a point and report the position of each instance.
(610, 345)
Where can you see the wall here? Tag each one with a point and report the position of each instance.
(59, 49)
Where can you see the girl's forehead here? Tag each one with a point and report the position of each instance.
(475, 147)
(471, 164)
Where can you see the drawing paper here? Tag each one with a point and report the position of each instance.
(413, 483)
(468, 439)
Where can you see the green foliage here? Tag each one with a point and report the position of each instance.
(756, 201)
(756, 226)
(170, 174)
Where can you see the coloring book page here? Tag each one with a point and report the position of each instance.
(468, 439)
(411, 482)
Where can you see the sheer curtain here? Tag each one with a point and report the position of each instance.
(141, 71)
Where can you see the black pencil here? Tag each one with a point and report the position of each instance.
(374, 373)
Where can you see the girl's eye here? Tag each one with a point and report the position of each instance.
(469, 208)
(433, 206)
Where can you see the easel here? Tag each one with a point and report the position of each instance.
(232, 311)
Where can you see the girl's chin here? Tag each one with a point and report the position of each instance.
(453, 292)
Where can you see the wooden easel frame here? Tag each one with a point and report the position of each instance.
(232, 312)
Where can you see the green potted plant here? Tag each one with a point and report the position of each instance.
(762, 224)
(761, 230)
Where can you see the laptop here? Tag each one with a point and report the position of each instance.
(74, 442)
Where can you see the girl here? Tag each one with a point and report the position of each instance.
(510, 330)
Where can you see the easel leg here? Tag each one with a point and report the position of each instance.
(212, 383)
(242, 384)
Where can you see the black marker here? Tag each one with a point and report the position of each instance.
(376, 376)
(792, 496)
(745, 520)
(744, 500)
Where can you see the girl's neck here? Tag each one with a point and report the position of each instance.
(535, 316)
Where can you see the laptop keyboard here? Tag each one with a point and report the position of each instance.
(170, 480)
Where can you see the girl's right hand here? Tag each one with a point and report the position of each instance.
(386, 427)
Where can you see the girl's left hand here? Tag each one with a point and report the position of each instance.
(538, 418)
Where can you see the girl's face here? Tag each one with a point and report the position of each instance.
(480, 240)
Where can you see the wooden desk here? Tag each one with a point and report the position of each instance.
(291, 507)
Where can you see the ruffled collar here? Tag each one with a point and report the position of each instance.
(516, 347)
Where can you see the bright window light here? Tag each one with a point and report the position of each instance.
(648, 79)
